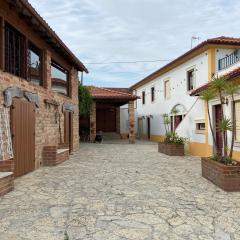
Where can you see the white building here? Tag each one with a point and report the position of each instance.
(170, 87)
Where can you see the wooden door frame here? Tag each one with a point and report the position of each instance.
(68, 126)
(215, 125)
(148, 128)
(25, 167)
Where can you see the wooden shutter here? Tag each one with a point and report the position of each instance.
(237, 109)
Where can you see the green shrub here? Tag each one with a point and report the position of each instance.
(173, 138)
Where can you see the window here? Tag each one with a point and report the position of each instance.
(34, 69)
(15, 52)
(190, 80)
(200, 126)
(153, 94)
(143, 97)
(59, 79)
(167, 89)
(237, 121)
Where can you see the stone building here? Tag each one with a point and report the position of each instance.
(109, 110)
(38, 91)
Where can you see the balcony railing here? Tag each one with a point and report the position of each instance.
(228, 61)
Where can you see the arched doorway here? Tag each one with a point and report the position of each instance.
(177, 114)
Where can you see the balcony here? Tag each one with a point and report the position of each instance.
(228, 61)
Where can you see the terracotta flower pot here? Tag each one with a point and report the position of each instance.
(171, 149)
(224, 176)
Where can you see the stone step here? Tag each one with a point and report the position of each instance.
(111, 136)
(6, 182)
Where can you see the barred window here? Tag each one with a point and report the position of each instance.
(15, 52)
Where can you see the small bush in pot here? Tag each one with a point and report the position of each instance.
(173, 145)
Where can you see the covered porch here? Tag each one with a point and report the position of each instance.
(105, 115)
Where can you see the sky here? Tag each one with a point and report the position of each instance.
(103, 31)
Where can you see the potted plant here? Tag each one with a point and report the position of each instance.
(221, 169)
(173, 145)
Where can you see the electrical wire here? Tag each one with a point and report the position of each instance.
(131, 62)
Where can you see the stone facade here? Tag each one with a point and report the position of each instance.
(171, 149)
(225, 177)
(118, 120)
(93, 123)
(49, 117)
(131, 122)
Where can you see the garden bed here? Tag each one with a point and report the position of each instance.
(227, 177)
(171, 149)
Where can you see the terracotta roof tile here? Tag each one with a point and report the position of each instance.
(105, 93)
(228, 76)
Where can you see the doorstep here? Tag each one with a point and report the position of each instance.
(6, 182)
(52, 156)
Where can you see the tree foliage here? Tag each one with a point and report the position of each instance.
(85, 100)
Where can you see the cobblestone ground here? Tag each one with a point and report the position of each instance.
(113, 191)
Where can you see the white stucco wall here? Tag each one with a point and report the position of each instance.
(124, 124)
(179, 95)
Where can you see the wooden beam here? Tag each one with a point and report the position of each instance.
(1, 43)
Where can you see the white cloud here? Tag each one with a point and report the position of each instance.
(129, 30)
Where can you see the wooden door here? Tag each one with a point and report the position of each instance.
(140, 127)
(148, 128)
(68, 130)
(106, 119)
(219, 137)
(23, 134)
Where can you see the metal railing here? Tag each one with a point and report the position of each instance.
(228, 61)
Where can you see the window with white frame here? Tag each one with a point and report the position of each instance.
(191, 79)
(200, 126)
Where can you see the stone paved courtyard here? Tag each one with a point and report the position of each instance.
(114, 191)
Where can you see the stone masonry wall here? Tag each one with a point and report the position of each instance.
(47, 130)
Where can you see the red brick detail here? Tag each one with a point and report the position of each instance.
(51, 157)
(7, 166)
(171, 149)
(6, 184)
(225, 177)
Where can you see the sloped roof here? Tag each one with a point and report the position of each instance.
(228, 76)
(217, 41)
(34, 20)
(105, 93)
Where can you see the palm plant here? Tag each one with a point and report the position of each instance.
(174, 112)
(231, 90)
(218, 85)
(166, 122)
(206, 96)
(225, 125)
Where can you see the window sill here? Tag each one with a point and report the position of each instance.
(200, 131)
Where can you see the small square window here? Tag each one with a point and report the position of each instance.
(200, 127)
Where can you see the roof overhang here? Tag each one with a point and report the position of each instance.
(202, 47)
(233, 76)
(35, 21)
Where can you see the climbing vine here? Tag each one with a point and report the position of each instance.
(85, 100)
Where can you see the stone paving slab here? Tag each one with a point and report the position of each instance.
(119, 192)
